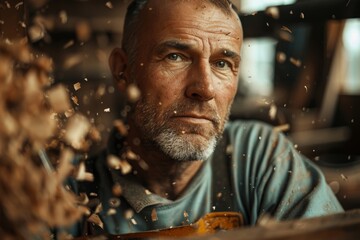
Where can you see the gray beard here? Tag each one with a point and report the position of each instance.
(169, 140)
(177, 147)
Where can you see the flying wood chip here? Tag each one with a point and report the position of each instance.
(94, 218)
(113, 162)
(59, 99)
(154, 216)
(121, 127)
(76, 131)
(133, 93)
(32, 194)
(65, 166)
(117, 190)
(77, 86)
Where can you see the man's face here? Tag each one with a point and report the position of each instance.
(188, 55)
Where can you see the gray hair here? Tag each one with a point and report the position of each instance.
(132, 19)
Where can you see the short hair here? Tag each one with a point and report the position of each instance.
(129, 39)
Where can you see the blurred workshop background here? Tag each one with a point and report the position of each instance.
(300, 70)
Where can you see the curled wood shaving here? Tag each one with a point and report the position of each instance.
(76, 130)
(33, 198)
(133, 93)
(94, 218)
(59, 99)
(121, 127)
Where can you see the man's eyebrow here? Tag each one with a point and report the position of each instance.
(175, 44)
(172, 44)
(231, 54)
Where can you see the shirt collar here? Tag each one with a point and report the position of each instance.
(135, 194)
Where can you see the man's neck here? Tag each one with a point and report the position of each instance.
(163, 176)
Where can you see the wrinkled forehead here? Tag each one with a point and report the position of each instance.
(158, 14)
(224, 5)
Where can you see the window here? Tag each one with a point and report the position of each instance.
(257, 67)
(351, 41)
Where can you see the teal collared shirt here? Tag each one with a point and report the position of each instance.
(254, 170)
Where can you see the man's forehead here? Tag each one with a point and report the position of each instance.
(190, 21)
(198, 5)
(160, 10)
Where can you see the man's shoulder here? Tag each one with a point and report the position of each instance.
(251, 136)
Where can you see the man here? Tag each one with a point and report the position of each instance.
(184, 57)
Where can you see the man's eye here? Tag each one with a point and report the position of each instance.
(174, 57)
(222, 64)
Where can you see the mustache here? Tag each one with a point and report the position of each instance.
(201, 108)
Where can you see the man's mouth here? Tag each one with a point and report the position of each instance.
(194, 118)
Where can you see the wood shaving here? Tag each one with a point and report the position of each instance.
(272, 111)
(7, 4)
(286, 36)
(280, 57)
(98, 208)
(143, 165)
(284, 28)
(128, 213)
(118, 164)
(111, 211)
(32, 197)
(65, 166)
(73, 60)
(154, 216)
(131, 155)
(75, 100)
(121, 127)
(94, 218)
(125, 167)
(273, 12)
(59, 99)
(94, 134)
(70, 112)
(282, 128)
(82, 175)
(77, 128)
(63, 16)
(117, 190)
(229, 149)
(133, 93)
(77, 86)
(114, 202)
(101, 91)
(109, 5)
(83, 31)
(17, 6)
(113, 162)
(83, 199)
(296, 62)
(36, 33)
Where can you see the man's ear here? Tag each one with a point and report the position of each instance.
(118, 67)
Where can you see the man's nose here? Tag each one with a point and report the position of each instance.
(201, 82)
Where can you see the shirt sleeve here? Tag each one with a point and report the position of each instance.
(272, 178)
